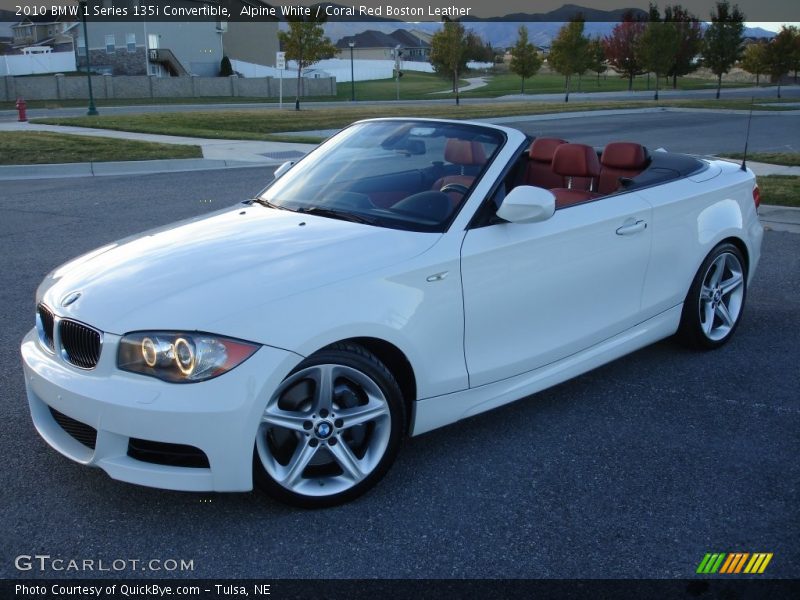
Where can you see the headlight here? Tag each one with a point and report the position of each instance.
(181, 357)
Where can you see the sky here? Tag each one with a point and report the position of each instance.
(770, 25)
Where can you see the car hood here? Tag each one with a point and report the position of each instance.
(189, 275)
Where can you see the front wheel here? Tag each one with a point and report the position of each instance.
(713, 307)
(331, 430)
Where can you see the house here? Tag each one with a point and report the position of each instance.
(152, 48)
(145, 47)
(42, 30)
(376, 45)
(176, 48)
(416, 48)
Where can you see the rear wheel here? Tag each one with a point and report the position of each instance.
(713, 307)
(331, 430)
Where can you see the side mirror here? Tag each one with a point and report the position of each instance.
(527, 204)
(283, 168)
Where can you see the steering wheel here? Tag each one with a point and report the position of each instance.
(455, 187)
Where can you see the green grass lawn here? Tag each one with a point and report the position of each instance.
(413, 86)
(41, 147)
(789, 159)
(549, 83)
(262, 124)
(418, 86)
(780, 190)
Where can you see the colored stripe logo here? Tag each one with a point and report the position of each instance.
(732, 563)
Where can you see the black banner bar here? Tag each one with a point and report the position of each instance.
(364, 11)
(402, 589)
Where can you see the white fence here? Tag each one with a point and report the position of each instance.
(35, 63)
(363, 69)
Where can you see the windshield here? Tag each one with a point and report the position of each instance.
(395, 173)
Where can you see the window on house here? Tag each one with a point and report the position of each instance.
(81, 42)
(130, 41)
(111, 43)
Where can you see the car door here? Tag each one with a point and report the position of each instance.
(536, 293)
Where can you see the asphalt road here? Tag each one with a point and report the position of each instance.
(694, 132)
(636, 469)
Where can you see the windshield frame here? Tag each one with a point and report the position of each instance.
(377, 216)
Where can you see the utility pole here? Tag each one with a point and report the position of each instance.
(92, 111)
(352, 44)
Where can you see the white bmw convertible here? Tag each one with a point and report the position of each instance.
(405, 274)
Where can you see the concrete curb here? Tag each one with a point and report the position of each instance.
(141, 167)
(779, 218)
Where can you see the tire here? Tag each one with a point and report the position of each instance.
(715, 302)
(331, 430)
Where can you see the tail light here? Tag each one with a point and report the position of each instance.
(756, 196)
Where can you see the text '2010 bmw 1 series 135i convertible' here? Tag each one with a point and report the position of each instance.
(404, 275)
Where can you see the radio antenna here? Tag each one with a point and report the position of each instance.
(747, 137)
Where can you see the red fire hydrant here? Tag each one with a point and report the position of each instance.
(21, 108)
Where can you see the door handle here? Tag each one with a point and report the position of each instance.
(630, 227)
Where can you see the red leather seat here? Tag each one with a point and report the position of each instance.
(539, 171)
(579, 164)
(463, 153)
(620, 159)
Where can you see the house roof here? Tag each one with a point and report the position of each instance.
(377, 39)
(368, 39)
(408, 40)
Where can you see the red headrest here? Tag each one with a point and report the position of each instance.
(624, 155)
(542, 149)
(464, 152)
(576, 160)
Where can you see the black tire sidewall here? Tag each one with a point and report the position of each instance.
(691, 331)
(356, 357)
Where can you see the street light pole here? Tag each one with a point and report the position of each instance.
(397, 54)
(352, 77)
(92, 109)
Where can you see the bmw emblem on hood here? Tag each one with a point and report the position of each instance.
(70, 298)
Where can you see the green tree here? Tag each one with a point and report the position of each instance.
(657, 48)
(722, 42)
(568, 52)
(690, 39)
(754, 60)
(597, 58)
(795, 51)
(225, 67)
(306, 44)
(779, 55)
(525, 60)
(478, 49)
(449, 52)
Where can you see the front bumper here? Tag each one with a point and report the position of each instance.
(220, 416)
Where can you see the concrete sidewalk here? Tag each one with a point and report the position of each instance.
(473, 83)
(779, 218)
(217, 154)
